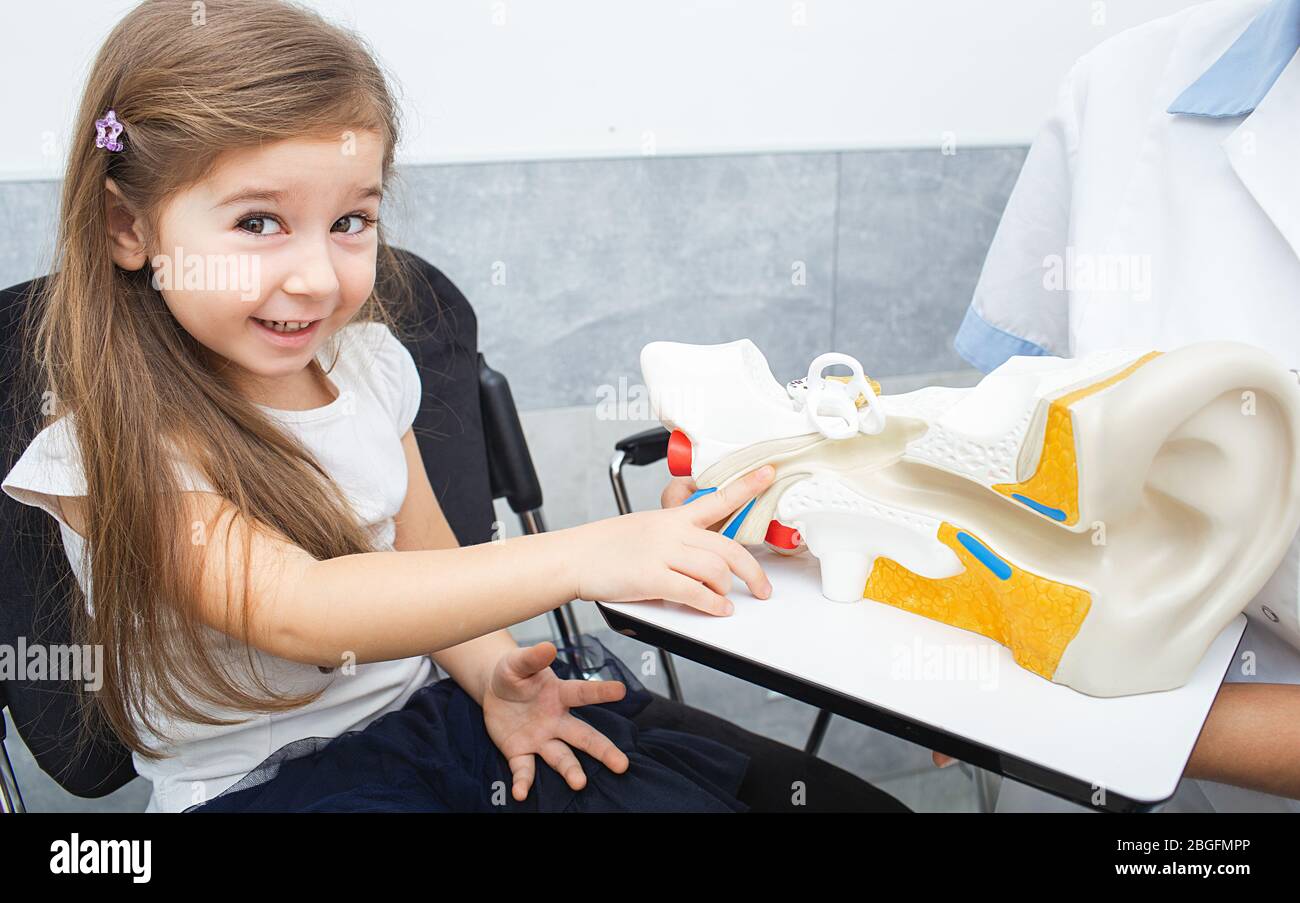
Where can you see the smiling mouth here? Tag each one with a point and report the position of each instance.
(287, 327)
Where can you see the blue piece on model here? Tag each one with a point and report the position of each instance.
(1000, 568)
(1239, 79)
(734, 526)
(1053, 513)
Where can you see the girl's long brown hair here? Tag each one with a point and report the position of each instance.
(187, 82)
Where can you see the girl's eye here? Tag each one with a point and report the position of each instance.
(259, 225)
(354, 223)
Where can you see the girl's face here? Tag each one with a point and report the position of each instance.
(284, 232)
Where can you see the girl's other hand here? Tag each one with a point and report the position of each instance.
(526, 712)
(671, 554)
(678, 490)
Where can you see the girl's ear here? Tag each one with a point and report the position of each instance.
(126, 239)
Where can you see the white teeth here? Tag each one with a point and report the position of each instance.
(286, 325)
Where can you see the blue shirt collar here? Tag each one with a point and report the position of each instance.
(1239, 79)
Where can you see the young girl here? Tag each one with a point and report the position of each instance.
(230, 459)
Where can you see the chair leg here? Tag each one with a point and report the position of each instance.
(616, 481)
(984, 791)
(625, 507)
(670, 675)
(11, 800)
(563, 638)
(987, 786)
(818, 732)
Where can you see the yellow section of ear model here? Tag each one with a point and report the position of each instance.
(1055, 483)
(1034, 617)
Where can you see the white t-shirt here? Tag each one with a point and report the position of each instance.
(357, 439)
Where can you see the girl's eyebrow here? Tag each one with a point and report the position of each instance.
(243, 195)
(250, 194)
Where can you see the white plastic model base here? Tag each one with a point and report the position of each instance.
(1102, 517)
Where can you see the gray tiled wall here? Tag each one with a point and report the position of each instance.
(572, 266)
(913, 228)
(602, 256)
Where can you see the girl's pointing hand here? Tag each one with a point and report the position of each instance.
(671, 553)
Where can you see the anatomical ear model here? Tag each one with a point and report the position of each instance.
(1103, 517)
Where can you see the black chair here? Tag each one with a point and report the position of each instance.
(644, 448)
(473, 448)
(512, 475)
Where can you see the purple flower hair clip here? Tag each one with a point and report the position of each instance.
(107, 130)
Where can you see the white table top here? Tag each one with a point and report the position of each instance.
(956, 681)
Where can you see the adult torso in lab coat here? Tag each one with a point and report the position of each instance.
(1187, 226)
(1212, 205)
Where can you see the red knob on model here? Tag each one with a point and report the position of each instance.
(679, 454)
(783, 537)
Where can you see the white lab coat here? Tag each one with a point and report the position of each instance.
(1209, 207)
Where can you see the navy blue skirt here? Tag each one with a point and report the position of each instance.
(434, 755)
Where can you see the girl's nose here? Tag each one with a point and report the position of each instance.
(312, 274)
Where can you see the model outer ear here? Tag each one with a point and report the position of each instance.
(1196, 453)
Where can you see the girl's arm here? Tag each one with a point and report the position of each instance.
(378, 606)
(422, 525)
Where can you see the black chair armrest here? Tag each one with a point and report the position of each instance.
(645, 447)
(511, 466)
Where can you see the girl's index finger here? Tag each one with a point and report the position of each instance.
(711, 508)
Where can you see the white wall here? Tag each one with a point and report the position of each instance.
(530, 79)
